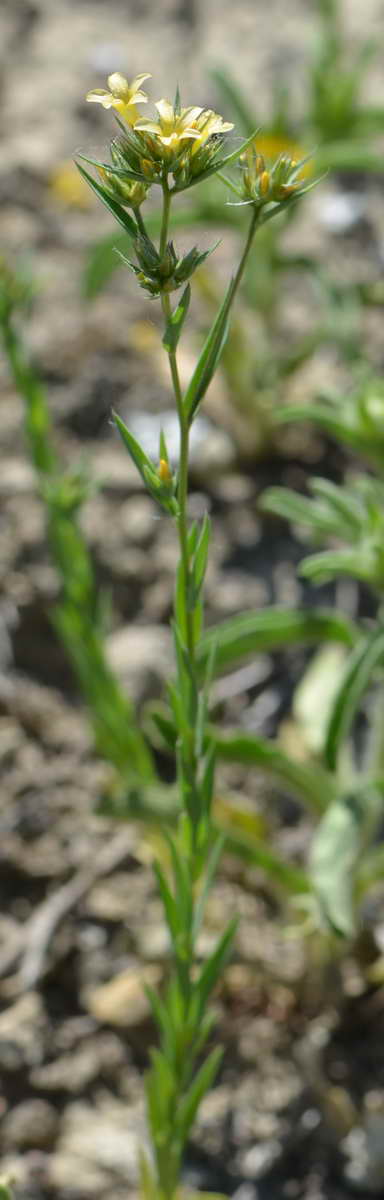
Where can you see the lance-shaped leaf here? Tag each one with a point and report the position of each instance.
(209, 357)
(138, 456)
(366, 656)
(311, 784)
(176, 321)
(117, 210)
(360, 562)
(271, 628)
(302, 510)
(336, 849)
(189, 1104)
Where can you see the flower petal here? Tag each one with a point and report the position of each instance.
(137, 81)
(191, 114)
(138, 98)
(148, 126)
(100, 96)
(165, 111)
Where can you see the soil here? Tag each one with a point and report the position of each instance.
(81, 928)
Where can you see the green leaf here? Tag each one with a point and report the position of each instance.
(201, 555)
(211, 971)
(258, 853)
(357, 677)
(336, 849)
(171, 909)
(189, 1104)
(360, 562)
(135, 451)
(294, 507)
(269, 629)
(209, 357)
(344, 502)
(117, 210)
(183, 886)
(209, 875)
(310, 783)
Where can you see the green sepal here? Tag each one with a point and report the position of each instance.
(217, 165)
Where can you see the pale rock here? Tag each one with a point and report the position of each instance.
(122, 1001)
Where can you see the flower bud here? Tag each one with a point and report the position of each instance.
(264, 183)
(164, 472)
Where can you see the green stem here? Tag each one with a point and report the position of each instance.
(169, 1150)
(182, 490)
(165, 217)
(141, 223)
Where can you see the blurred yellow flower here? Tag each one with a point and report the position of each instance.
(272, 145)
(68, 187)
(122, 96)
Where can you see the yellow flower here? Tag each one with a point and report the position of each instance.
(208, 124)
(122, 96)
(172, 126)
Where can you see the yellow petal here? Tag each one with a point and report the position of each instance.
(137, 81)
(148, 126)
(189, 115)
(165, 111)
(138, 98)
(99, 96)
(119, 86)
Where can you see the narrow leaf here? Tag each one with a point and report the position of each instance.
(310, 784)
(269, 629)
(135, 451)
(209, 357)
(117, 210)
(357, 677)
(202, 1082)
(211, 971)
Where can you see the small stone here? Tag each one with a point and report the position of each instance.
(17, 477)
(142, 658)
(122, 1001)
(101, 1140)
(257, 1160)
(32, 1124)
(137, 519)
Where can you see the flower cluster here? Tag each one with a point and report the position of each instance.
(261, 184)
(165, 272)
(182, 142)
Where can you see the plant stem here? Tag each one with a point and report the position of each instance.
(182, 490)
(193, 847)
